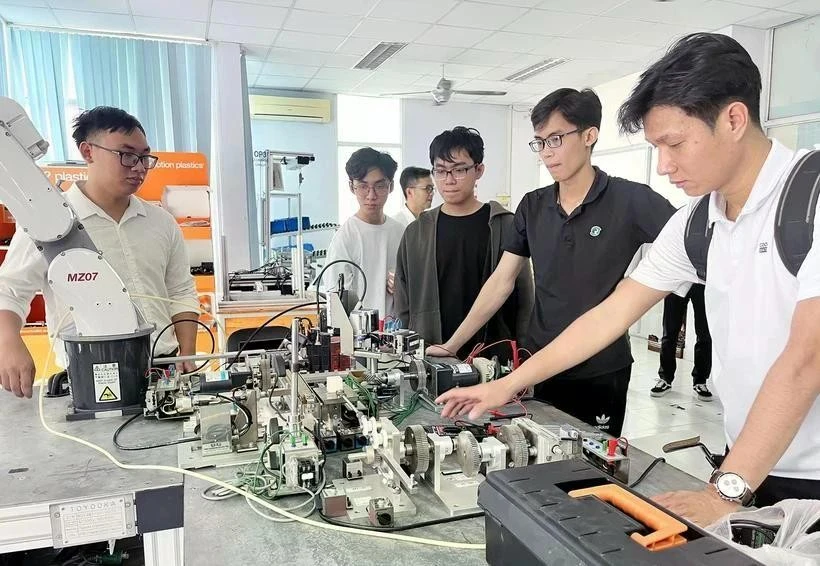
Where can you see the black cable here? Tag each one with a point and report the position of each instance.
(318, 280)
(263, 325)
(149, 446)
(172, 323)
(645, 473)
(243, 408)
(430, 523)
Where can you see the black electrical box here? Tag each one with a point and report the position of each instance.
(444, 377)
(318, 351)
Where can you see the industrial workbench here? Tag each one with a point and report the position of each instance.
(228, 532)
(55, 492)
(41, 472)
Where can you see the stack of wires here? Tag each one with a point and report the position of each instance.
(262, 482)
(365, 393)
(411, 408)
(392, 324)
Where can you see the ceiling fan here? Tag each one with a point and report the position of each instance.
(444, 90)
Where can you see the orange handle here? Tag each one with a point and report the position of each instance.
(667, 530)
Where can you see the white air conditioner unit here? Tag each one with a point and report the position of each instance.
(295, 109)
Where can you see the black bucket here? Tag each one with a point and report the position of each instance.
(108, 373)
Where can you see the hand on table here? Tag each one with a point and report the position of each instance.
(475, 400)
(703, 507)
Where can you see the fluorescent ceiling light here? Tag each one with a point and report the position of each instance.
(533, 70)
(379, 54)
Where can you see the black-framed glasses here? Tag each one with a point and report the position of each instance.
(130, 160)
(458, 173)
(379, 187)
(428, 188)
(554, 141)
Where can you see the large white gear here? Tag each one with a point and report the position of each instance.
(468, 453)
(518, 450)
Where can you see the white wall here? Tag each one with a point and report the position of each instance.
(524, 163)
(422, 121)
(320, 185)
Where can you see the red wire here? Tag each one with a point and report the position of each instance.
(525, 350)
(480, 347)
(483, 347)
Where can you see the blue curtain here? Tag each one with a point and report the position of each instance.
(166, 85)
(37, 61)
(3, 53)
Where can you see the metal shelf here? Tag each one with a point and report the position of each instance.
(307, 231)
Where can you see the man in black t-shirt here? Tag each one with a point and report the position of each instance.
(448, 253)
(581, 233)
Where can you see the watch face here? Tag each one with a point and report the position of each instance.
(731, 485)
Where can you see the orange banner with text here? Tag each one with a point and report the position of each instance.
(173, 168)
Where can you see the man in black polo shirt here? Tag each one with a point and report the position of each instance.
(581, 233)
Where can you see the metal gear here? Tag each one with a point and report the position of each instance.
(417, 376)
(518, 450)
(468, 453)
(417, 450)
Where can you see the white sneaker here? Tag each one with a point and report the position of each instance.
(662, 387)
(703, 393)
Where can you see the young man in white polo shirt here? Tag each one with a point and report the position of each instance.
(142, 242)
(699, 105)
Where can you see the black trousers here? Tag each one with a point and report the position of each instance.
(775, 488)
(599, 401)
(674, 314)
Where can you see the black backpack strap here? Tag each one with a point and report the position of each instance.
(698, 235)
(794, 223)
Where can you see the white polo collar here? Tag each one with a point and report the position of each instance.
(85, 207)
(771, 174)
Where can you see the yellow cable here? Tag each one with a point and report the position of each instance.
(225, 485)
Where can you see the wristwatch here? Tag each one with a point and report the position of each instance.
(731, 487)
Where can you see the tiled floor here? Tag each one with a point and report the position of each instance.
(652, 422)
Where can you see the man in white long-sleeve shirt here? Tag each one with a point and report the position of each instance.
(369, 238)
(142, 242)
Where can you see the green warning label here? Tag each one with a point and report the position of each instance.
(108, 395)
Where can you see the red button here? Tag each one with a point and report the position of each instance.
(612, 445)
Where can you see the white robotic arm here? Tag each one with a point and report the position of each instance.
(77, 273)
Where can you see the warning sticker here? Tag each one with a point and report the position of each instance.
(107, 382)
(108, 395)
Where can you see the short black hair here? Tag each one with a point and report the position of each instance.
(700, 74)
(367, 158)
(449, 141)
(582, 108)
(411, 175)
(104, 119)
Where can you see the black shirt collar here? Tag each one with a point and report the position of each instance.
(598, 186)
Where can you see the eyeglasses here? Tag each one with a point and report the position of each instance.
(458, 173)
(379, 187)
(428, 188)
(554, 141)
(128, 159)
